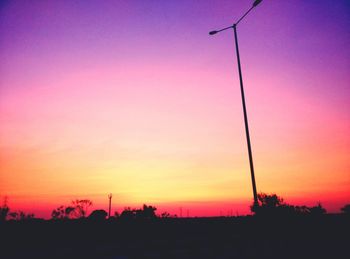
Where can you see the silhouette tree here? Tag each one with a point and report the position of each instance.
(58, 213)
(346, 209)
(98, 215)
(147, 212)
(81, 207)
(165, 215)
(4, 210)
(317, 210)
(128, 214)
(62, 212)
(21, 215)
(273, 205)
(6, 213)
(302, 210)
(270, 201)
(13, 215)
(268, 204)
(68, 211)
(116, 214)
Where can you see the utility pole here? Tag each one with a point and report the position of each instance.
(110, 204)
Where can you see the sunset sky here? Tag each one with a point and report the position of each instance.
(135, 98)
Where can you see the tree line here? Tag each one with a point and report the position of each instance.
(269, 205)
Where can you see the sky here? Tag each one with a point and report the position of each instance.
(135, 98)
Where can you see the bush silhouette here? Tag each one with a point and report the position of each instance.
(346, 209)
(98, 215)
(128, 214)
(317, 210)
(146, 213)
(4, 211)
(21, 215)
(165, 215)
(272, 205)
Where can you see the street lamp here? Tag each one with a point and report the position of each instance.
(234, 27)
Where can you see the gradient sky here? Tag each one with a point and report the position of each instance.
(135, 98)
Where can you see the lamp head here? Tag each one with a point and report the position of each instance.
(256, 2)
(213, 32)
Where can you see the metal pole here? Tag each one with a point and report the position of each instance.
(110, 205)
(246, 121)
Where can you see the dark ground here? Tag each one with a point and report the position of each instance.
(244, 237)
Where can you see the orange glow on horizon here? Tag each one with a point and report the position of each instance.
(154, 115)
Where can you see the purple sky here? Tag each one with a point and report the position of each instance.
(137, 99)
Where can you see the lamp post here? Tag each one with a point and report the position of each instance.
(234, 27)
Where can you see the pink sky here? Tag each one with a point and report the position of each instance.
(136, 99)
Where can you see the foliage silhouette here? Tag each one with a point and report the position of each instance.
(269, 204)
(165, 215)
(346, 209)
(302, 210)
(146, 213)
(317, 210)
(81, 208)
(272, 205)
(4, 210)
(21, 215)
(147, 235)
(217, 237)
(5, 213)
(62, 212)
(128, 214)
(98, 215)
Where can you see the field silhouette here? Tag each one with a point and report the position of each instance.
(276, 230)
